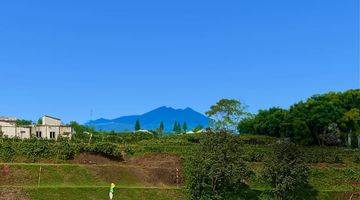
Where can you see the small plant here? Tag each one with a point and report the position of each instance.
(129, 150)
(356, 158)
(338, 159)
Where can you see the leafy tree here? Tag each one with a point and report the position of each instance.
(184, 127)
(327, 119)
(39, 121)
(214, 170)
(80, 130)
(286, 172)
(198, 128)
(350, 123)
(227, 114)
(271, 122)
(23, 122)
(137, 125)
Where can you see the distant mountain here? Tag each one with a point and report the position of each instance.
(151, 120)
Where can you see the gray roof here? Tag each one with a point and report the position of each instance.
(51, 117)
(8, 119)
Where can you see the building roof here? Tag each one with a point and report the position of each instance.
(52, 117)
(8, 119)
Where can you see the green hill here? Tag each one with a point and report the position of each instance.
(149, 170)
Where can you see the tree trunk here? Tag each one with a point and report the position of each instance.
(349, 140)
(358, 141)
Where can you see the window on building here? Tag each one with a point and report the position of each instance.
(52, 135)
(38, 134)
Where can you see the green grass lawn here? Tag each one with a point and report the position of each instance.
(98, 193)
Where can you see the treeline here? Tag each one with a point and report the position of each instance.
(331, 119)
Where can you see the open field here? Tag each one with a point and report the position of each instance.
(149, 172)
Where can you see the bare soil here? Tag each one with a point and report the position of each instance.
(92, 159)
(152, 169)
(158, 168)
(13, 194)
(16, 176)
(350, 196)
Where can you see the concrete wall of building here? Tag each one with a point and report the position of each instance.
(64, 131)
(23, 132)
(7, 123)
(50, 121)
(51, 129)
(16, 131)
(8, 131)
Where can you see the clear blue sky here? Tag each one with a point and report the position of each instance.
(65, 58)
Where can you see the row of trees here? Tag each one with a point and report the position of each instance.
(177, 128)
(329, 119)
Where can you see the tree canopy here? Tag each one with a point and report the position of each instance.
(226, 114)
(326, 119)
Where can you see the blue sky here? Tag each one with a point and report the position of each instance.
(65, 58)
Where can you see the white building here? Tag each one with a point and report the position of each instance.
(51, 128)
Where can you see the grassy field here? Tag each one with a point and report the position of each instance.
(334, 174)
(97, 193)
(77, 181)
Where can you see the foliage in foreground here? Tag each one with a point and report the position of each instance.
(286, 172)
(215, 171)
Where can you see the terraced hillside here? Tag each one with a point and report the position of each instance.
(149, 170)
(150, 177)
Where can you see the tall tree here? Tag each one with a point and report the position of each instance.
(177, 127)
(137, 125)
(226, 114)
(161, 127)
(39, 121)
(350, 123)
(184, 127)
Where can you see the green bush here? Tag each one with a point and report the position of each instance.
(356, 158)
(6, 152)
(214, 170)
(286, 172)
(129, 150)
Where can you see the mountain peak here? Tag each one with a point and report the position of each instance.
(152, 119)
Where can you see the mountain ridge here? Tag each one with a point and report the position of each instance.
(152, 119)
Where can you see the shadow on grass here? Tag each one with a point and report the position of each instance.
(307, 193)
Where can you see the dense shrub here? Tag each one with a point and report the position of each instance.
(107, 149)
(214, 170)
(286, 172)
(6, 152)
(34, 149)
